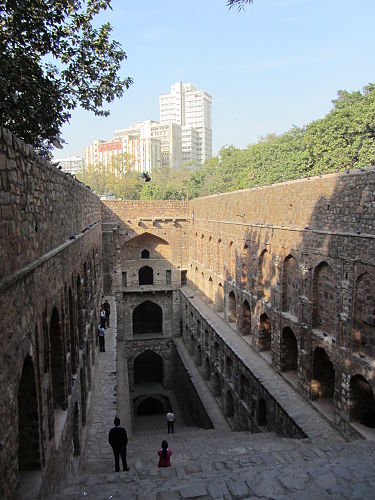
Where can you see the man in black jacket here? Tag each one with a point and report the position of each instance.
(118, 439)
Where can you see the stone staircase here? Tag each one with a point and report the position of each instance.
(210, 464)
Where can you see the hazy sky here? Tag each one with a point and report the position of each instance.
(275, 64)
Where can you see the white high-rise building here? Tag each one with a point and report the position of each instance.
(72, 165)
(190, 108)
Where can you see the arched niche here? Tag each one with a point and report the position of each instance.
(29, 456)
(265, 333)
(290, 285)
(217, 385)
(246, 319)
(289, 350)
(146, 276)
(361, 403)
(148, 367)
(324, 298)
(220, 298)
(262, 413)
(363, 339)
(323, 382)
(57, 361)
(147, 318)
(229, 405)
(232, 312)
(145, 254)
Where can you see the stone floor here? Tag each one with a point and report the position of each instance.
(211, 464)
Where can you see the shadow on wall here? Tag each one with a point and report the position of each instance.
(300, 289)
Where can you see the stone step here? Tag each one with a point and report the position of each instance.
(291, 469)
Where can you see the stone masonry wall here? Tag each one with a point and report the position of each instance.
(50, 290)
(290, 265)
(41, 207)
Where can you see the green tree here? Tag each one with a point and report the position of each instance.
(53, 59)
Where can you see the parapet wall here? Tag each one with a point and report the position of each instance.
(336, 202)
(41, 206)
(131, 209)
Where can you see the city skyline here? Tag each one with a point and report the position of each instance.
(182, 136)
(269, 67)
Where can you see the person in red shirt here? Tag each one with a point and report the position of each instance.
(164, 455)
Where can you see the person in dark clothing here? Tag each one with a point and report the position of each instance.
(118, 439)
(101, 334)
(107, 310)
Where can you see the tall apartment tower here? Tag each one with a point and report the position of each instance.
(190, 108)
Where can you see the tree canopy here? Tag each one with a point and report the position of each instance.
(53, 59)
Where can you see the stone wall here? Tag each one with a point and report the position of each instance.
(291, 266)
(50, 287)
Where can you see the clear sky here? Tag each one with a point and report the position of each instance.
(276, 64)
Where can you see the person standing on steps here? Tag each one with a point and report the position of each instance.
(118, 439)
(170, 421)
(101, 334)
(102, 315)
(164, 455)
(107, 310)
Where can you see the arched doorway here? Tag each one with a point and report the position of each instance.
(207, 370)
(150, 406)
(289, 350)
(210, 289)
(231, 308)
(148, 367)
(324, 298)
(220, 298)
(28, 420)
(229, 406)
(290, 292)
(145, 254)
(146, 276)
(262, 413)
(217, 386)
(76, 440)
(323, 383)
(57, 361)
(265, 333)
(362, 404)
(246, 319)
(147, 318)
(72, 328)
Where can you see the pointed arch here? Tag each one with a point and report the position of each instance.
(57, 361)
(145, 254)
(265, 333)
(324, 298)
(264, 274)
(220, 298)
(323, 383)
(148, 367)
(219, 256)
(217, 386)
(290, 285)
(246, 319)
(29, 456)
(232, 310)
(146, 276)
(363, 337)
(156, 246)
(147, 318)
(361, 402)
(289, 350)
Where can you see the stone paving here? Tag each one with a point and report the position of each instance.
(213, 464)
